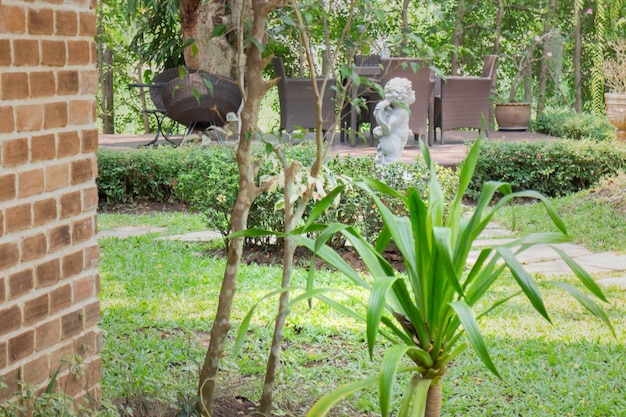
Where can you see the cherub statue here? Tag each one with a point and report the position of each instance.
(392, 115)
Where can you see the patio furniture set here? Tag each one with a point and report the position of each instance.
(202, 101)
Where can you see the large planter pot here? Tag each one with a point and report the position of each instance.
(616, 112)
(513, 116)
(189, 100)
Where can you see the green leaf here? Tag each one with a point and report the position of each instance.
(321, 206)
(219, 30)
(375, 308)
(524, 280)
(581, 274)
(327, 402)
(586, 302)
(465, 314)
(389, 370)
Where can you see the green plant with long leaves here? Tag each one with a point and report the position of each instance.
(427, 313)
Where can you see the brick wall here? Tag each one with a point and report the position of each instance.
(49, 283)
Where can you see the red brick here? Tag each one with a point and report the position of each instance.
(66, 23)
(43, 148)
(12, 19)
(67, 82)
(72, 384)
(72, 264)
(21, 346)
(18, 218)
(7, 121)
(14, 86)
(60, 357)
(26, 53)
(53, 53)
(3, 355)
(42, 84)
(34, 247)
(3, 294)
(36, 309)
(15, 152)
(48, 334)
(10, 378)
(87, 24)
(80, 112)
(90, 141)
(71, 324)
(89, 82)
(60, 238)
(5, 52)
(40, 22)
(36, 371)
(78, 52)
(82, 171)
(84, 289)
(92, 256)
(8, 190)
(55, 115)
(57, 176)
(92, 314)
(85, 345)
(83, 230)
(48, 273)
(10, 319)
(30, 183)
(45, 211)
(29, 117)
(69, 144)
(9, 255)
(60, 299)
(70, 204)
(90, 199)
(20, 283)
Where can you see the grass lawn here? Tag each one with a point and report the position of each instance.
(159, 298)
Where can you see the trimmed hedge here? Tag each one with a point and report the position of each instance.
(553, 168)
(207, 179)
(564, 123)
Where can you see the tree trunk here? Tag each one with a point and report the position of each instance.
(543, 73)
(457, 37)
(253, 88)
(198, 19)
(108, 106)
(405, 27)
(577, 64)
(433, 401)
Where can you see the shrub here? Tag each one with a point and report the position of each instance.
(147, 173)
(207, 179)
(553, 168)
(566, 124)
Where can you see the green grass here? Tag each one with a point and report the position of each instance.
(159, 297)
(596, 222)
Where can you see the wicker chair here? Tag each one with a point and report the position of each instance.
(423, 80)
(463, 101)
(352, 119)
(297, 102)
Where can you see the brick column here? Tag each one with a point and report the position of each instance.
(49, 283)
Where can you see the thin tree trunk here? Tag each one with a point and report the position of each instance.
(543, 73)
(433, 401)
(108, 106)
(142, 99)
(457, 37)
(253, 90)
(577, 64)
(405, 26)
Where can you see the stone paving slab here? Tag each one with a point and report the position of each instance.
(614, 282)
(203, 236)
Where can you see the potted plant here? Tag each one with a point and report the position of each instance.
(513, 112)
(615, 78)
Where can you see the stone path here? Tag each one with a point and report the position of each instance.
(540, 259)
